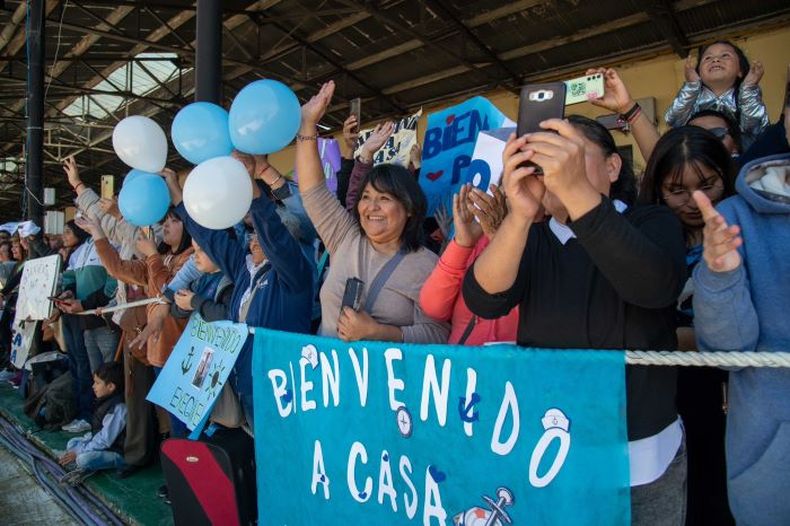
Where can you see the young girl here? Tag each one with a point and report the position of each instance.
(685, 160)
(723, 81)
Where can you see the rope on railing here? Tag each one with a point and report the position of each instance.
(709, 359)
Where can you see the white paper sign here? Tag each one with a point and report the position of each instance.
(39, 279)
(487, 157)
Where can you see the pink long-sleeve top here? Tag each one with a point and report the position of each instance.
(441, 299)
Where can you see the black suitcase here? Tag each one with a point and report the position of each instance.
(212, 481)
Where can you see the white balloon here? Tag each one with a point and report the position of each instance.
(140, 142)
(218, 193)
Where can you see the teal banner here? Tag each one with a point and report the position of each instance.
(385, 433)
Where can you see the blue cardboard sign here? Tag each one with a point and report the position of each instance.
(385, 433)
(194, 374)
(448, 146)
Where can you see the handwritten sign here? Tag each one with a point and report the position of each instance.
(22, 334)
(385, 433)
(39, 279)
(198, 368)
(449, 143)
(396, 149)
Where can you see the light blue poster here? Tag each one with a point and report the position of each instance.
(384, 433)
(199, 366)
(448, 146)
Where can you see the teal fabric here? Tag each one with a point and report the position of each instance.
(375, 468)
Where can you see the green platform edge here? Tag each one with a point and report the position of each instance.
(132, 499)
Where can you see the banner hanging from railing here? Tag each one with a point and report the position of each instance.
(383, 433)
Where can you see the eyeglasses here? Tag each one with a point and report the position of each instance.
(681, 196)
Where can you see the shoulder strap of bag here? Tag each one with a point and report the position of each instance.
(381, 279)
(468, 331)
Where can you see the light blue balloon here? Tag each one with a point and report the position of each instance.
(134, 174)
(144, 200)
(264, 117)
(200, 132)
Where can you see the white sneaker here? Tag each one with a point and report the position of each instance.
(76, 426)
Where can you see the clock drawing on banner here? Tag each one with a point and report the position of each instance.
(404, 421)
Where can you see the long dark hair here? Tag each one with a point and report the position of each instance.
(678, 149)
(624, 188)
(400, 184)
(186, 239)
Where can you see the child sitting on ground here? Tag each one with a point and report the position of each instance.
(102, 448)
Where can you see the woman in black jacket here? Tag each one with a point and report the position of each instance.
(601, 274)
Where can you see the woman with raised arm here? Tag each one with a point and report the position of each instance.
(378, 243)
(601, 274)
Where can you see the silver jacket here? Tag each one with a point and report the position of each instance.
(694, 97)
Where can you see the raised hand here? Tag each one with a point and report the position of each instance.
(690, 69)
(145, 246)
(523, 189)
(91, 225)
(615, 95)
(467, 230)
(489, 210)
(756, 72)
(315, 108)
(381, 133)
(720, 241)
(110, 207)
(72, 172)
(415, 156)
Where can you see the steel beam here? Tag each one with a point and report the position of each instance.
(34, 166)
(208, 57)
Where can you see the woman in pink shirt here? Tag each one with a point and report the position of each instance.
(440, 297)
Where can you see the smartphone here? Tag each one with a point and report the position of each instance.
(537, 103)
(107, 186)
(356, 110)
(583, 89)
(352, 295)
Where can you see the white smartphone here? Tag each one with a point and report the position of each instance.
(584, 88)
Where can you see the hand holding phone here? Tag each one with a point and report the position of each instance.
(356, 111)
(352, 295)
(538, 103)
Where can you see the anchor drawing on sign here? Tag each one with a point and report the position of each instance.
(186, 363)
(495, 516)
(466, 410)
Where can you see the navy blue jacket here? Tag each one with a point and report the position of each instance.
(284, 300)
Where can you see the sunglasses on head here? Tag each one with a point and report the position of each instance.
(720, 133)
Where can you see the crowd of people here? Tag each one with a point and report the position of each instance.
(690, 255)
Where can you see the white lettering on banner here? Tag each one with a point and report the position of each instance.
(393, 383)
(319, 471)
(409, 504)
(435, 388)
(361, 374)
(306, 386)
(330, 378)
(471, 384)
(397, 148)
(509, 402)
(358, 451)
(279, 386)
(556, 425)
(386, 487)
(433, 501)
(440, 395)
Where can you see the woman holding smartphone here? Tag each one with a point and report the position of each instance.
(601, 274)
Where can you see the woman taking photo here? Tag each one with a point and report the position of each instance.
(601, 274)
(378, 244)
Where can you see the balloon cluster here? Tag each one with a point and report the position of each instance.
(264, 118)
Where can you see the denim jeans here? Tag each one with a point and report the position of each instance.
(79, 366)
(178, 429)
(96, 460)
(101, 343)
(663, 501)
